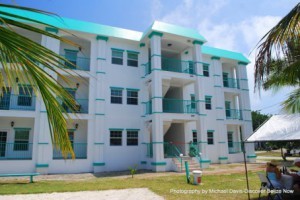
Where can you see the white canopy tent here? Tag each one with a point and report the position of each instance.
(278, 128)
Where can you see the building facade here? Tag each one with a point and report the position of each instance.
(143, 99)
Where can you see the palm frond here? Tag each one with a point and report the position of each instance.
(292, 103)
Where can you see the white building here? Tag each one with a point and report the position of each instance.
(145, 97)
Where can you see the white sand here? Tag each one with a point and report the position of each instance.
(138, 194)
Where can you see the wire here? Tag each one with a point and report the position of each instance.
(269, 106)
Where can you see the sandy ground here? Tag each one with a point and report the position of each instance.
(132, 194)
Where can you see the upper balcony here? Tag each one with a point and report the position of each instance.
(230, 83)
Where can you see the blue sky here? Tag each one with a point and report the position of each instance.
(231, 24)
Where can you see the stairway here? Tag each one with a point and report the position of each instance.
(193, 165)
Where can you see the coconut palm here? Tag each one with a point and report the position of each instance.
(33, 63)
(277, 63)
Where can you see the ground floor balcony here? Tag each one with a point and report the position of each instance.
(80, 150)
(15, 151)
(174, 106)
(17, 102)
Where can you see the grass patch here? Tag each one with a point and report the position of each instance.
(162, 185)
(268, 153)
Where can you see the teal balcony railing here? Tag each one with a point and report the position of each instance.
(231, 83)
(80, 150)
(171, 150)
(15, 151)
(234, 147)
(233, 114)
(173, 65)
(179, 106)
(148, 107)
(82, 63)
(17, 102)
(82, 106)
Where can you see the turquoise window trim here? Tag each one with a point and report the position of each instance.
(218, 86)
(116, 129)
(215, 58)
(116, 49)
(210, 130)
(133, 89)
(158, 163)
(204, 63)
(66, 88)
(43, 111)
(22, 129)
(194, 130)
(100, 99)
(142, 44)
(223, 158)
(219, 108)
(98, 164)
(71, 50)
(205, 161)
(100, 37)
(101, 58)
(245, 90)
(198, 42)
(135, 52)
(99, 143)
(204, 115)
(222, 142)
(42, 165)
(143, 162)
(101, 114)
(242, 63)
(133, 129)
(208, 96)
(42, 143)
(217, 75)
(51, 29)
(155, 33)
(100, 72)
(116, 88)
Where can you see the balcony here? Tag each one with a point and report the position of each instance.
(233, 114)
(80, 150)
(174, 106)
(17, 102)
(231, 83)
(82, 63)
(15, 151)
(234, 147)
(173, 65)
(81, 106)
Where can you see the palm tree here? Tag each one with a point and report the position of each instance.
(33, 63)
(278, 61)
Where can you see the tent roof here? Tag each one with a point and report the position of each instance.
(278, 128)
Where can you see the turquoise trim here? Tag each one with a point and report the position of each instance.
(43, 111)
(100, 37)
(156, 97)
(247, 110)
(22, 129)
(205, 161)
(100, 73)
(71, 50)
(155, 33)
(133, 89)
(116, 129)
(135, 52)
(117, 88)
(142, 44)
(71, 129)
(98, 164)
(210, 130)
(202, 142)
(245, 89)
(194, 130)
(215, 58)
(224, 54)
(208, 96)
(157, 142)
(198, 42)
(242, 63)
(220, 119)
(133, 129)
(222, 142)
(217, 75)
(155, 55)
(116, 49)
(43, 143)
(101, 58)
(252, 156)
(204, 63)
(244, 79)
(100, 114)
(219, 108)
(223, 158)
(158, 163)
(42, 165)
(204, 115)
(51, 29)
(248, 120)
(100, 99)
(143, 116)
(143, 162)
(99, 143)
(218, 86)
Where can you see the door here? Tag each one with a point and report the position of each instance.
(228, 109)
(5, 99)
(225, 80)
(3, 137)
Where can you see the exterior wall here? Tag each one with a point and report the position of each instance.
(94, 126)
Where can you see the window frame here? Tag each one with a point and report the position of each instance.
(210, 137)
(130, 100)
(132, 138)
(25, 95)
(208, 102)
(21, 144)
(230, 137)
(205, 70)
(115, 137)
(116, 58)
(114, 97)
(195, 137)
(132, 60)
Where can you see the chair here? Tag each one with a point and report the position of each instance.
(267, 185)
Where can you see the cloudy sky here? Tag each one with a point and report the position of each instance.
(235, 25)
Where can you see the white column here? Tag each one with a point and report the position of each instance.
(200, 98)
(99, 159)
(41, 130)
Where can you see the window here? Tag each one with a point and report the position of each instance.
(193, 101)
(21, 140)
(195, 140)
(132, 138)
(116, 95)
(25, 96)
(71, 56)
(132, 59)
(208, 102)
(117, 56)
(210, 137)
(132, 97)
(230, 139)
(227, 109)
(206, 70)
(191, 67)
(225, 80)
(115, 138)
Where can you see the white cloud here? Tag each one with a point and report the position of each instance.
(156, 8)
